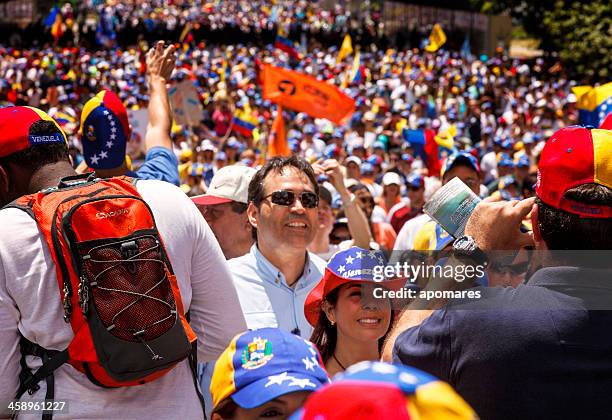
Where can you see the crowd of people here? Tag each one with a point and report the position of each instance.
(271, 261)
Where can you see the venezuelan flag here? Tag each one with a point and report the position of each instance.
(357, 72)
(57, 29)
(424, 144)
(594, 103)
(285, 44)
(243, 125)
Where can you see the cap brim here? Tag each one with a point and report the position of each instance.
(256, 393)
(209, 200)
(329, 282)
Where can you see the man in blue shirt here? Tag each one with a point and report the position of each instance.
(275, 277)
(105, 128)
(543, 349)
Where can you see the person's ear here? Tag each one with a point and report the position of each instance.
(535, 227)
(328, 309)
(253, 214)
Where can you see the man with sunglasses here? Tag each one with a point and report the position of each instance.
(275, 277)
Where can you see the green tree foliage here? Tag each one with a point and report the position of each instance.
(579, 30)
(582, 33)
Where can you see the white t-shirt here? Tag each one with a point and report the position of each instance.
(30, 304)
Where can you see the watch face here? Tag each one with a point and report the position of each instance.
(464, 244)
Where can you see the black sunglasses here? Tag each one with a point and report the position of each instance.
(286, 198)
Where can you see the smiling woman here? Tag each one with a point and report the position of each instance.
(350, 324)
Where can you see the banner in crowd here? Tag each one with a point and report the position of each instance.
(185, 103)
(139, 119)
(303, 93)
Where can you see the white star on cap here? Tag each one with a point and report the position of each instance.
(349, 260)
(113, 130)
(359, 255)
(372, 254)
(103, 154)
(95, 159)
(408, 378)
(106, 112)
(113, 136)
(278, 379)
(302, 383)
(109, 144)
(110, 118)
(383, 368)
(308, 364)
(112, 123)
(341, 269)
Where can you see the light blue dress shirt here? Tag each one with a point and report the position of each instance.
(267, 301)
(265, 297)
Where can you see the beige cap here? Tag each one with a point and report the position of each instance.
(230, 183)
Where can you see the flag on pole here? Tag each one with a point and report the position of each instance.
(186, 35)
(303, 93)
(243, 123)
(283, 43)
(277, 143)
(436, 39)
(594, 103)
(50, 19)
(466, 50)
(345, 49)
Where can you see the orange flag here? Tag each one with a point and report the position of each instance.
(303, 93)
(277, 143)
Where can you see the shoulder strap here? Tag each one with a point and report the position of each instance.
(52, 359)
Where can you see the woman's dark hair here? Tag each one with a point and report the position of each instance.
(39, 156)
(566, 231)
(325, 335)
(226, 408)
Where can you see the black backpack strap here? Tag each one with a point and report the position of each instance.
(193, 366)
(28, 381)
(27, 208)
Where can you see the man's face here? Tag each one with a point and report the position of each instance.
(416, 196)
(468, 175)
(325, 217)
(291, 226)
(366, 202)
(352, 170)
(231, 229)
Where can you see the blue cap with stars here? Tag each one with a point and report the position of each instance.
(261, 365)
(353, 264)
(105, 131)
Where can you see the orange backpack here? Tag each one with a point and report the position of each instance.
(116, 283)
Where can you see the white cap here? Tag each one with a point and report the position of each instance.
(391, 178)
(230, 183)
(353, 159)
(207, 145)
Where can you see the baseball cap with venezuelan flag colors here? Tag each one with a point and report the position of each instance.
(261, 365)
(376, 390)
(15, 130)
(105, 131)
(575, 156)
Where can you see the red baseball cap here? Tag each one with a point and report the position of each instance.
(15, 124)
(575, 156)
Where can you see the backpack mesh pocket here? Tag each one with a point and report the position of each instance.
(130, 288)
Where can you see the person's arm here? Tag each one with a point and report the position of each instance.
(494, 226)
(216, 314)
(357, 220)
(9, 345)
(160, 63)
